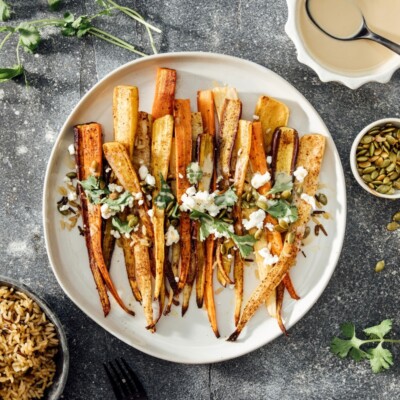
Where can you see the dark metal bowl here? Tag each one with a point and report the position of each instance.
(62, 358)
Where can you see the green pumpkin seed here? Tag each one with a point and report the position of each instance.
(262, 204)
(71, 175)
(368, 170)
(283, 224)
(380, 265)
(278, 228)
(393, 175)
(391, 167)
(249, 196)
(371, 185)
(371, 149)
(383, 189)
(286, 194)
(391, 140)
(385, 163)
(396, 185)
(396, 217)
(306, 232)
(133, 221)
(258, 234)
(389, 130)
(364, 164)
(386, 181)
(366, 178)
(362, 152)
(362, 158)
(321, 198)
(392, 226)
(290, 237)
(374, 175)
(367, 139)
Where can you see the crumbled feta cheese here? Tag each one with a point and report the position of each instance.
(127, 235)
(148, 197)
(143, 172)
(180, 176)
(112, 187)
(259, 180)
(137, 196)
(71, 149)
(130, 202)
(220, 178)
(269, 160)
(67, 180)
(256, 220)
(151, 213)
(191, 191)
(269, 226)
(269, 259)
(64, 208)
(229, 256)
(116, 234)
(150, 180)
(309, 199)
(256, 117)
(72, 196)
(176, 279)
(108, 169)
(172, 236)
(300, 173)
(141, 202)
(106, 212)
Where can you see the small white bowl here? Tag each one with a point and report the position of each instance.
(353, 163)
(326, 71)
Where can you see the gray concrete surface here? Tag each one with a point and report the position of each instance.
(295, 368)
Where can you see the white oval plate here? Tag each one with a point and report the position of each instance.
(190, 339)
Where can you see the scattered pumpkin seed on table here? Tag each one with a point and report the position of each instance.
(378, 158)
(380, 265)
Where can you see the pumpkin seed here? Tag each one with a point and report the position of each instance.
(386, 181)
(249, 196)
(258, 234)
(306, 232)
(290, 237)
(385, 163)
(262, 204)
(374, 158)
(396, 217)
(374, 175)
(278, 228)
(380, 265)
(390, 167)
(71, 175)
(133, 221)
(393, 175)
(362, 158)
(368, 170)
(364, 164)
(363, 152)
(383, 189)
(169, 207)
(366, 178)
(321, 198)
(286, 194)
(367, 139)
(283, 224)
(391, 140)
(392, 226)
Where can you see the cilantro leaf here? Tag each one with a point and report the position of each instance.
(282, 209)
(210, 225)
(227, 199)
(121, 226)
(379, 331)
(93, 190)
(9, 73)
(119, 203)
(283, 182)
(194, 173)
(380, 358)
(79, 26)
(29, 37)
(165, 196)
(5, 11)
(54, 4)
(350, 345)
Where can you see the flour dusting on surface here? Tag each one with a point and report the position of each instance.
(22, 150)
(19, 248)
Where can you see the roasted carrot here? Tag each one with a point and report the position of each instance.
(209, 289)
(311, 151)
(287, 281)
(88, 143)
(165, 92)
(183, 152)
(258, 161)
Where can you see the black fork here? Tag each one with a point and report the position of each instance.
(125, 383)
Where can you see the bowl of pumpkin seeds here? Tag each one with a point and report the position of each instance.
(375, 158)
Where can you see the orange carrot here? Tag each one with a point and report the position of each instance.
(165, 92)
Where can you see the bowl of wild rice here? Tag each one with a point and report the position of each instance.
(34, 356)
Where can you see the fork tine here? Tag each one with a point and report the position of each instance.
(127, 378)
(114, 384)
(133, 376)
(120, 380)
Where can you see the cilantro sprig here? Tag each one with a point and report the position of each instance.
(121, 226)
(282, 183)
(28, 34)
(282, 209)
(165, 196)
(350, 345)
(210, 225)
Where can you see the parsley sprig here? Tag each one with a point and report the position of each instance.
(29, 36)
(379, 357)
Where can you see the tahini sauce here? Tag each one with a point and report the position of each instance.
(353, 57)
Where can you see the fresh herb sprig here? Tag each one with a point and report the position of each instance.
(211, 225)
(29, 36)
(379, 357)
